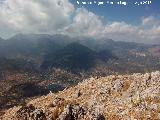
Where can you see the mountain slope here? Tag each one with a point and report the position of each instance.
(114, 97)
(66, 63)
(15, 65)
(73, 56)
(76, 57)
(28, 47)
(155, 50)
(1, 39)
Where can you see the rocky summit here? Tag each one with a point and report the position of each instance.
(115, 97)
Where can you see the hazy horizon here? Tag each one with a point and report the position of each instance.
(130, 23)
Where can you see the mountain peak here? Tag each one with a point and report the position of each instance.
(22, 36)
(71, 57)
(112, 97)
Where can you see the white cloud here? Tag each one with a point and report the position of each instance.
(148, 31)
(60, 16)
(120, 27)
(85, 23)
(35, 15)
(121, 31)
(150, 20)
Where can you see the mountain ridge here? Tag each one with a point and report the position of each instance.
(21, 61)
(133, 96)
(35, 47)
(76, 56)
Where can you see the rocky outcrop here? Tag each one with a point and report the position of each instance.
(116, 97)
(30, 113)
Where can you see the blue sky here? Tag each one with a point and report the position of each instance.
(130, 13)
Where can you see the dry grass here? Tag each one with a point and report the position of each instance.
(117, 97)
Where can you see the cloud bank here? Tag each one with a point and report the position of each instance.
(61, 17)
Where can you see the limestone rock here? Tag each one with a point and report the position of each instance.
(115, 97)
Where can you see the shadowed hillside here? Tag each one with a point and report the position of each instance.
(55, 62)
(73, 56)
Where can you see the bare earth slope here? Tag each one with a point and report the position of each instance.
(116, 97)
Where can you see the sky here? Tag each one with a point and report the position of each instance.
(130, 22)
(130, 13)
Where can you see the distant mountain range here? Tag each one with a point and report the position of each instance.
(46, 63)
(47, 51)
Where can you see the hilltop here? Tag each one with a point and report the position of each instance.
(44, 63)
(114, 97)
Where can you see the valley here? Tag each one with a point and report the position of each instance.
(32, 65)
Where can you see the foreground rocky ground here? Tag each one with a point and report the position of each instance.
(116, 97)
